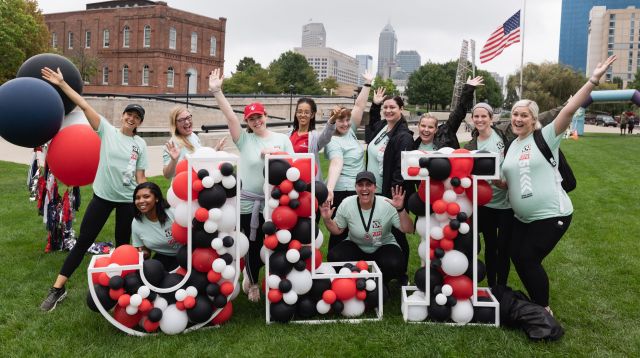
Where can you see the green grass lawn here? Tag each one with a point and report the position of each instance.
(593, 272)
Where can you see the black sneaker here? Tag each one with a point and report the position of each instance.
(55, 295)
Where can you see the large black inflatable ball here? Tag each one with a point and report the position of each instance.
(170, 280)
(33, 66)
(269, 228)
(202, 311)
(306, 307)
(439, 168)
(197, 225)
(278, 263)
(438, 313)
(153, 271)
(302, 231)
(116, 282)
(483, 166)
(416, 205)
(435, 278)
(213, 289)
(213, 197)
(278, 171)
(282, 312)
(322, 193)
(31, 112)
(318, 287)
(483, 314)
(198, 280)
(464, 244)
(102, 292)
(481, 269)
(219, 301)
(155, 315)
(181, 256)
(132, 283)
(202, 239)
(423, 162)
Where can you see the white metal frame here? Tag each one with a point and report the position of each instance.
(92, 269)
(405, 158)
(375, 270)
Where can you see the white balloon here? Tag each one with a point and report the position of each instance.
(301, 281)
(465, 204)
(144, 291)
(449, 196)
(181, 294)
(462, 312)
(114, 272)
(160, 303)
(421, 226)
(293, 256)
(415, 313)
(210, 226)
(326, 269)
(284, 236)
(207, 182)
(293, 194)
(218, 265)
(172, 199)
(319, 239)
(444, 217)
(131, 310)
(222, 250)
(229, 181)
(413, 162)
(229, 272)
(215, 214)
(418, 295)
(446, 150)
(423, 250)
(465, 182)
(273, 203)
(447, 184)
(344, 271)
(322, 307)
(370, 285)
(192, 291)
(353, 307)
(242, 242)
(424, 172)
(290, 297)
(293, 174)
(441, 299)
(228, 220)
(464, 228)
(263, 254)
(216, 176)
(173, 320)
(181, 214)
(436, 233)
(135, 300)
(454, 263)
(273, 281)
(217, 244)
(447, 290)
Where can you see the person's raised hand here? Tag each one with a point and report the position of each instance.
(215, 80)
(476, 81)
(601, 68)
(378, 95)
(52, 76)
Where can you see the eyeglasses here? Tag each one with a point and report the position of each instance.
(187, 118)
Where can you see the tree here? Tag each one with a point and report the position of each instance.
(635, 84)
(246, 63)
(23, 34)
(329, 84)
(490, 92)
(85, 62)
(250, 77)
(618, 82)
(389, 87)
(431, 85)
(293, 69)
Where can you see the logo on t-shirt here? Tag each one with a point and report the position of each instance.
(524, 165)
(129, 173)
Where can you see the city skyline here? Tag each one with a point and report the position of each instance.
(357, 25)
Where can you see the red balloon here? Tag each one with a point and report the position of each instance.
(413, 171)
(181, 271)
(304, 166)
(226, 288)
(224, 315)
(213, 276)
(446, 244)
(362, 265)
(284, 200)
(436, 190)
(189, 302)
(485, 193)
(180, 233)
(286, 186)
(124, 300)
(120, 314)
(284, 217)
(180, 185)
(197, 185)
(318, 260)
(180, 305)
(202, 258)
(458, 189)
(145, 306)
(439, 206)
(304, 209)
(329, 296)
(115, 294)
(461, 167)
(202, 214)
(434, 244)
(345, 288)
(361, 295)
(274, 295)
(295, 244)
(100, 262)
(182, 166)
(103, 279)
(125, 255)
(452, 209)
(449, 233)
(150, 326)
(73, 155)
(462, 286)
(270, 242)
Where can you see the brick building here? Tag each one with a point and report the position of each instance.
(142, 47)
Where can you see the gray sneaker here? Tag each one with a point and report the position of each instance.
(55, 295)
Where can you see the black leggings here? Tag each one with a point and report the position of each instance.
(252, 259)
(388, 257)
(496, 226)
(532, 242)
(338, 197)
(95, 217)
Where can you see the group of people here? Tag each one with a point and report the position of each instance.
(365, 211)
(627, 120)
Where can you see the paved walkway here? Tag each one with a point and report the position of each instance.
(13, 153)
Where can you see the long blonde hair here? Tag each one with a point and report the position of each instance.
(176, 137)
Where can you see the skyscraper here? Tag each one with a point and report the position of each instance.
(574, 29)
(408, 61)
(365, 63)
(313, 35)
(387, 47)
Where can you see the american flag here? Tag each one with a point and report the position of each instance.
(506, 35)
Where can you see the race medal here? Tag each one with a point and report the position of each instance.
(367, 236)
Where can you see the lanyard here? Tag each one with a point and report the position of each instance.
(367, 226)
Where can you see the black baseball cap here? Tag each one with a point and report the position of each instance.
(135, 108)
(366, 176)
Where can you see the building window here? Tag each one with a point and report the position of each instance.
(125, 75)
(214, 44)
(87, 39)
(194, 42)
(54, 40)
(126, 36)
(147, 36)
(145, 75)
(172, 38)
(105, 38)
(170, 75)
(105, 75)
(70, 40)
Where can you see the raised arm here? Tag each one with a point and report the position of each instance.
(464, 104)
(326, 211)
(56, 78)
(327, 132)
(215, 86)
(371, 129)
(563, 120)
(335, 168)
(361, 102)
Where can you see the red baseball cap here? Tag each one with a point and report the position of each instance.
(254, 108)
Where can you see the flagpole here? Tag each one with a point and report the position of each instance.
(522, 18)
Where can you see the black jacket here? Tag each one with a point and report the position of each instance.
(400, 139)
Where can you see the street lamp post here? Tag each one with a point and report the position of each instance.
(259, 88)
(188, 75)
(291, 87)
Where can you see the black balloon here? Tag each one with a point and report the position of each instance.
(483, 166)
(300, 185)
(231, 192)
(201, 238)
(322, 193)
(305, 252)
(306, 307)
(282, 312)
(435, 278)
(213, 197)
(228, 259)
(203, 173)
(155, 315)
(285, 285)
(116, 282)
(202, 310)
(318, 287)
(361, 284)
(227, 241)
(439, 313)
(132, 283)
(294, 203)
(439, 252)
(483, 314)
(226, 169)
(198, 280)
(269, 228)
(455, 224)
(181, 257)
(302, 231)
(436, 263)
(153, 271)
(455, 181)
(213, 289)
(337, 306)
(481, 269)
(462, 216)
(170, 280)
(197, 225)
(278, 171)
(416, 205)
(300, 265)
(276, 193)
(102, 292)
(423, 162)
(464, 244)
(451, 301)
(278, 263)
(439, 168)
(219, 301)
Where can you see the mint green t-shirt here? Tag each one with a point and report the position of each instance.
(154, 236)
(427, 147)
(252, 171)
(534, 192)
(192, 138)
(350, 150)
(385, 216)
(494, 144)
(120, 157)
(375, 156)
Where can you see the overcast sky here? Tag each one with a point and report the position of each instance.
(263, 29)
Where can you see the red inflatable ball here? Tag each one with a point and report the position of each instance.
(413, 171)
(124, 300)
(345, 288)
(180, 185)
(115, 294)
(189, 302)
(286, 186)
(197, 185)
(226, 288)
(462, 286)
(329, 296)
(73, 155)
(202, 214)
(439, 206)
(274, 295)
(361, 295)
(362, 265)
(149, 326)
(284, 200)
(100, 262)
(125, 255)
(120, 314)
(484, 192)
(304, 209)
(295, 244)
(318, 260)
(182, 166)
(446, 244)
(103, 279)
(461, 167)
(213, 276)
(284, 217)
(304, 166)
(449, 233)
(224, 315)
(202, 258)
(452, 209)
(145, 306)
(270, 242)
(179, 233)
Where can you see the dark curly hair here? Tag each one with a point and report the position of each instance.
(161, 203)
